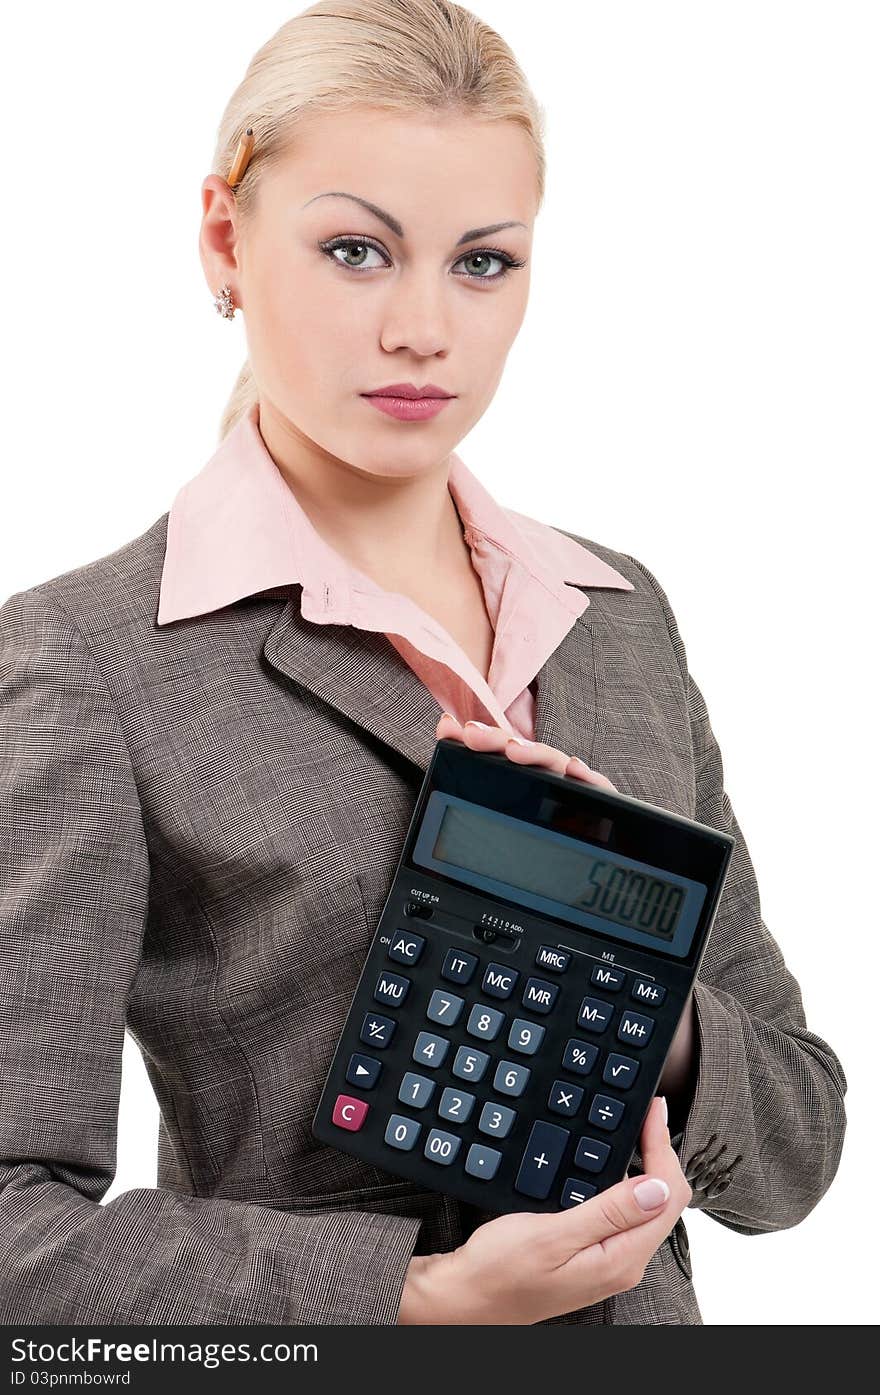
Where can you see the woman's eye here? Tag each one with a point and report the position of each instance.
(355, 253)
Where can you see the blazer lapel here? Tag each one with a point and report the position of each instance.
(362, 675)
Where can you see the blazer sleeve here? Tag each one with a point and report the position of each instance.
(74, 880)
(762, 1139)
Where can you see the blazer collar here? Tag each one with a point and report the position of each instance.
(236, 529)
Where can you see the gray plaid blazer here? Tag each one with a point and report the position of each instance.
(199, 823)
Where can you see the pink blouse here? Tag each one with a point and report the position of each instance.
(236, 528)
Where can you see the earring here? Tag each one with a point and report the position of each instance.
(223, 303)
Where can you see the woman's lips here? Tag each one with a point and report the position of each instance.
(408, 408)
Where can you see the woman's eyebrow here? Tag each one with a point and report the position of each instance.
(397, 227)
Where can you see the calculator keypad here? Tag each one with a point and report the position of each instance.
(486, 1084)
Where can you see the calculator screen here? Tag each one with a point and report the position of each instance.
(561, 875)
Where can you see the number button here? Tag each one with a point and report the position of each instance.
(497, 1119)
(605, 977)
(591, 1155)
(416, 1090)
(391, 989)
(525, 1036)
(377, 1030)
(565, 1098)
(499, 981)
(444, 1007)
(594, 1015)
(620, 1071)
(575, 1192)
(580, 1056)
(406, 948)
(485, 1022)
(401, 1132)
(456, 1105)
(644, 991)
(635, 1029)
(470, 1064)
(458, 966)
(442, 1147)
(540, 995)
(482, 1162)
(606, 1112)
(430, 1050)
(511, 1079)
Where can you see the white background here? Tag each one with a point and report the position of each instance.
(696, 383)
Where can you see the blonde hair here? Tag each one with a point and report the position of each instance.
(398, 55)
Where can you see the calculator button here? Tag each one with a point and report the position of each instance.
(416, 1090)
(565, 1098)
(499, 981)
(496, 1119)
(349, 1113)
(511, 1079)
(377, 1030)
(540, 995)
(646, 991)
(605, 977)
(442, 1147)
(401, 1132)
(444, 1007)
(557, 960)
(456, 1105)
(575, 1192)
(580, 1056)
(430, 1050)
(591, 1155)
(470, 1064)
(525, 1036)
(541, 1159)
(595, 1015)
(406, 948)
(485, 1022)
(391, 989)
(458, 966)
(620, 1071)
(606, 1112)
(363, 1070)
(635, 1029)
(482, 1162)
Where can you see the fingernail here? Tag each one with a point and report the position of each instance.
(581, 764)
(472, 722)
(520, 740)
(651, 1193)
(665, 1109)
(451, 717)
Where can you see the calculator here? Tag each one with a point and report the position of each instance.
(523, 986)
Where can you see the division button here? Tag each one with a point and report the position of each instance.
(605, 1112)
(541, 1159)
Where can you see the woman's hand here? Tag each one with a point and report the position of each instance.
(527, 1266)
(480, 737)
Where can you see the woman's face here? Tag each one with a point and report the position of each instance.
(339, 300)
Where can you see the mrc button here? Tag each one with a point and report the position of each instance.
(557, 960)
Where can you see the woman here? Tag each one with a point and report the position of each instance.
(213, 738)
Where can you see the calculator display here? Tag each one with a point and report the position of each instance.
(564, 876)
(559, 868)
